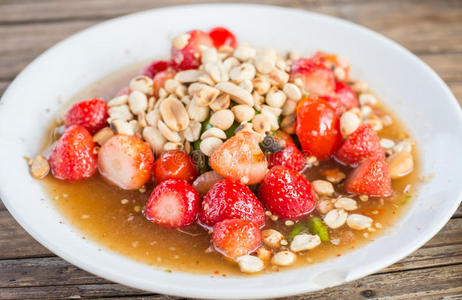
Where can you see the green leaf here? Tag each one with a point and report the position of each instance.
(317, 227)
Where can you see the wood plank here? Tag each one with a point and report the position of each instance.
(419, 25)
(3, 86)
(445, 281)
(22, 43)
(15, 242)
(55, 271)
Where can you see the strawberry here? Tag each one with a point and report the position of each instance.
(72, 157)
(126, 161)
(361, 144)
(189, 57)
(91, 114)
(316, 77)
(240, 158)
(343, 99)
(155, 67)
(159, 80)
(222, 37)
(173, 203)
(174, 164)
(234, 238)
(229, 199)
(290, 157)
(318, 128)
(333, 61)
(370, 178)
(287, 193)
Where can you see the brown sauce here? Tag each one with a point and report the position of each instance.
(113, 217)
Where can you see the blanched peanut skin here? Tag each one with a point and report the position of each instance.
(358, 222)
(272, 238)
(323, 187)
(335, 218)
(222, 119)
(243, 113)
(302, 242)
(400, 164)
(283, 258)
(250, 264)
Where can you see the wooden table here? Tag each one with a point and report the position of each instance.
(430, 29)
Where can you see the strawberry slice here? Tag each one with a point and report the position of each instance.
(370, 178)
(229, 199)
(126, 161)
(189, 57)
(343, 99)
(333, 60)
(155, 67)
(318, 128)
(234, 238)
(91, 114)
(72, 157)
(222, 37)
(173, 203)
(287, 193)
(316, 77)
(290, 157)
(361, 144)
(159, 81)
(240, 158)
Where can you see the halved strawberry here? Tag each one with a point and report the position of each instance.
(370, 178)
(287, 193)
(240, 158)
(343, 98)
(333, 60)
(229, 199)
(173, 203)
(159, 81)
(318, 128)
(155, 67)
(290, 157)
(72, 158)
(361, 144)
(91, 114)
(316, 77)
(189, 57)
(126, 161)
(222, 37)
(234, 238)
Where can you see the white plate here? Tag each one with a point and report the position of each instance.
(409, 86)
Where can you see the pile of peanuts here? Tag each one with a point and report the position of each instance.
(257, 80)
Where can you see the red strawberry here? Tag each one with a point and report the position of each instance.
(361, 144)
(234, 238)
(240, 158)
(173, 203)
(126, 161)
(370, 178)
(290, 157)
(159, 80)
(222, 37)
(316, 77)
(72, 158)
(318, 128)
(190, 56)
(287, 193)
(229, 199)
(155, 67)
(91, 114)
(343, 99)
